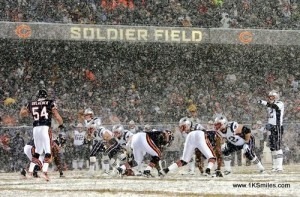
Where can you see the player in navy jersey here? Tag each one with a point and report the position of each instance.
(29, 150)
(215, 140)
(42, 110)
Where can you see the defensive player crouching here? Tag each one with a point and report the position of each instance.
(56, 157)
(216, 140)
(152, 143)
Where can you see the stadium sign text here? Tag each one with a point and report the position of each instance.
(135, 34)
(123, 33)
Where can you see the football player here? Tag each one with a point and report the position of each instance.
(110, 148)
(147, 142)
(238, 137)
(42, 110)
(275, 119)
(29, 150)
(216, 141)
(93, 138)
(194, 139)
(123, 136)
(78, 138)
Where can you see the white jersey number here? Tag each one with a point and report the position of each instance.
(37, 115)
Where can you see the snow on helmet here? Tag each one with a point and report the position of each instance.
(275, 94)
(220, 122)
(185, 124)
(88, 111)
(118, 128)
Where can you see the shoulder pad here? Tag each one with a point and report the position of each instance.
(233, 126)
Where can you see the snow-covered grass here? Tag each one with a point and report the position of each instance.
(79, 183)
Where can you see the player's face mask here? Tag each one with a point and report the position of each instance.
(271, 99)
(219, 127)
(88, 117)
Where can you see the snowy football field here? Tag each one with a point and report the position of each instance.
(79, 183)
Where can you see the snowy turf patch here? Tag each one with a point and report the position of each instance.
(243, 182)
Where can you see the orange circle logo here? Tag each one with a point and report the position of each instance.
(246, 37)
(23, 31)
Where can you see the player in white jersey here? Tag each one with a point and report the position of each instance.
(78, 137)
(94, 140)
(275, 118)
(238, 137)
(194, 139)
(124, 138)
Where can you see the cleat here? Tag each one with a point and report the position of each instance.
(147, 173)
(262, 171)
(106, 173)
(35, 174)
(219, 173)
(61, 175)
(139, 173)
(226, 172)
(45, 176)
(35, 171)
(276, 170)
(207, 172)
(161, 173)
(23, 172)
(120, 172)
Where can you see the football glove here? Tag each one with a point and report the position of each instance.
(262, 102)
(246, 148)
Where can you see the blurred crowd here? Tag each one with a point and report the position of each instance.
(275, 14)
(148, 83)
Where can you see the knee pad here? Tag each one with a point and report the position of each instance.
(93, 159)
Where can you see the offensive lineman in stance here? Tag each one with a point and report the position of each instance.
(194, 139)
(42, 111)
(238, 137)
(275, 118)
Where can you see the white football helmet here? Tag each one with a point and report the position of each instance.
(185, 124)
(118, 130)
(88, 114)
(220, 123)
(88, 111)
(275, 94)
